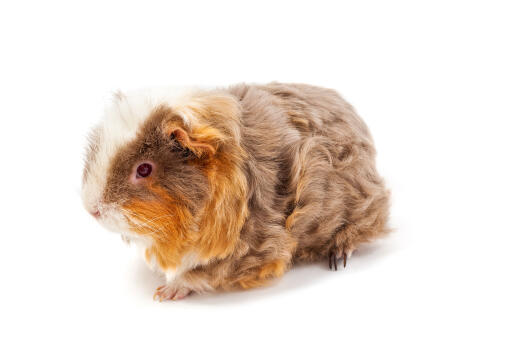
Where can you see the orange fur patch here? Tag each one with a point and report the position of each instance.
(226, 210)
(290, 220)
(167, 222)
(266, 273)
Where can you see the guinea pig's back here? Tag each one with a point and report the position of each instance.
(309, 109)
(280, 115)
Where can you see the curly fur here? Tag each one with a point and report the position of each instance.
(247, 181)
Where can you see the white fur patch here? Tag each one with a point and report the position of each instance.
(188, 262)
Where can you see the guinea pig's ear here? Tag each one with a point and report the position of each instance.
(201, 148)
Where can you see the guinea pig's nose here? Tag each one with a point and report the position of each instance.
(95, 213)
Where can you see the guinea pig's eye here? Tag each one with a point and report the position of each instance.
(144, 170)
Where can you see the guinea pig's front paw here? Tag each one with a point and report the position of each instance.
(171, 292)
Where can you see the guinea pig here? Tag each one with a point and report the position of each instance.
(227, 188)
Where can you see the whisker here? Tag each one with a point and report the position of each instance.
(146, 222)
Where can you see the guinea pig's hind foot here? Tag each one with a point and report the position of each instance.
(332, 259)
(170, 292)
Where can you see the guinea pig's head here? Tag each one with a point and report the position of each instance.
(168, 173)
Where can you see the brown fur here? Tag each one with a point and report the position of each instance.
(277, 174)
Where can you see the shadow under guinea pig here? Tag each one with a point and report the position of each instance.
(299, 277)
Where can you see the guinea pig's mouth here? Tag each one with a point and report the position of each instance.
(122, 222)
(118, 220)
(113, 220)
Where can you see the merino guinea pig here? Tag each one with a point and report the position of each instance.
(226, 188)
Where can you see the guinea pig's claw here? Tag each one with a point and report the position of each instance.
(332, 260)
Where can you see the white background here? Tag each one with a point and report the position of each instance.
(431, 79)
